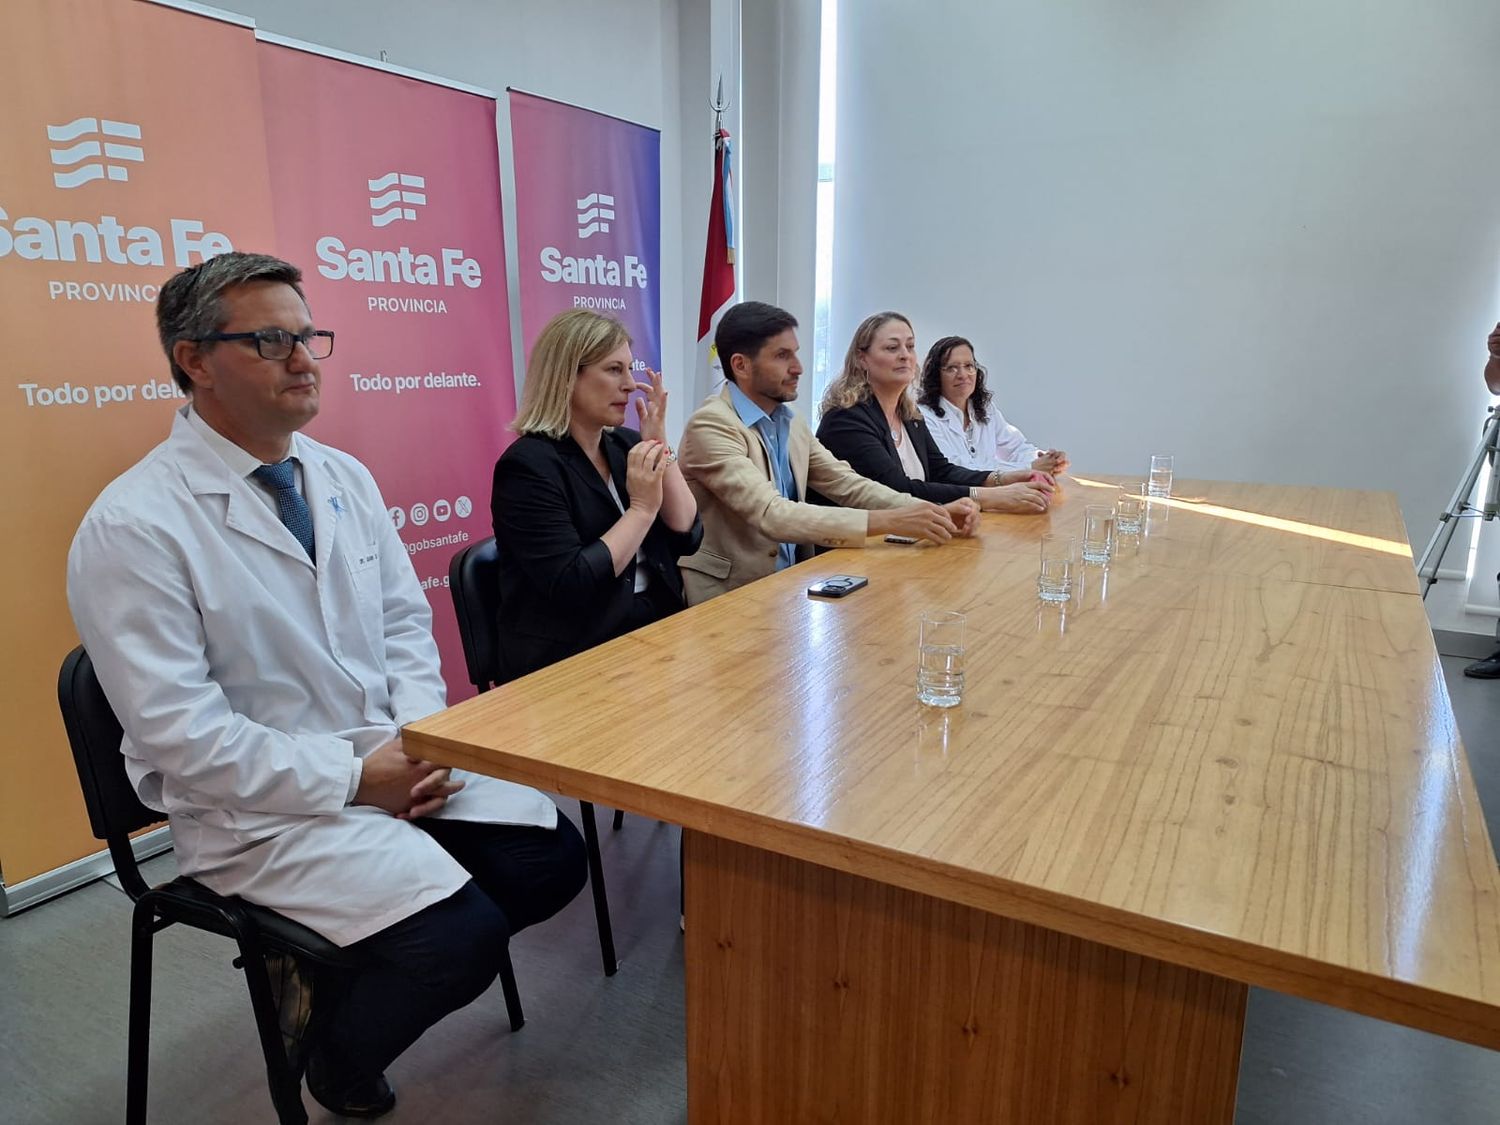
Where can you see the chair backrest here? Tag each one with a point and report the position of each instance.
(94, 735)
(474, 582)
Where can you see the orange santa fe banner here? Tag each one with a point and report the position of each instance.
(133, 146)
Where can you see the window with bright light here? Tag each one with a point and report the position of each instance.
(823, 358)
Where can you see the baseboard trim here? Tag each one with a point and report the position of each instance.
(50, 884)
(1469, 646)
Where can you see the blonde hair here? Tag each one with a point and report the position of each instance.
(852, 385)
(571, 341)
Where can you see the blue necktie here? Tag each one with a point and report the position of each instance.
(289, 503)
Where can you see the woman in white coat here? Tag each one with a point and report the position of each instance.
(963, 419)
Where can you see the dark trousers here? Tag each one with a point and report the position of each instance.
(436, 961)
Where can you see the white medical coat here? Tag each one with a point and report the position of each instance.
(247, 680)
(990, 445)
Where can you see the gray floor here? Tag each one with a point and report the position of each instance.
(597, 1049)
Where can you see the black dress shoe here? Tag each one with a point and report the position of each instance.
(1486, 669)
(370, 1098)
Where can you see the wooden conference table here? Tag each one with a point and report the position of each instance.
(1232, 763)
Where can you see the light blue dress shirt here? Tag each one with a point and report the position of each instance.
(775, 430)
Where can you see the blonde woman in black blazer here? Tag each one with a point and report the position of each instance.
(869, 417)
(590, 517)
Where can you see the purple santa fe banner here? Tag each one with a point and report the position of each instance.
(588, 219)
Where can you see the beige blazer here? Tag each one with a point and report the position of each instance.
(745, 518)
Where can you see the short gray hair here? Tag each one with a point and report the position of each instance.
(190, 304)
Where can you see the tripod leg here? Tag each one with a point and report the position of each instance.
(1492, 490)
(1445, 532)
(1448, 521)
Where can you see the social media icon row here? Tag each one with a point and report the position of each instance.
(439, 511)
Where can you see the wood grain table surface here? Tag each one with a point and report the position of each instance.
(1233, 751)
(1334, 537)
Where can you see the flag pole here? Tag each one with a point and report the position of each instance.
(718, 105)
(719, 280)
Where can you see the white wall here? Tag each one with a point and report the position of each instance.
(604, 54)
(622, 57)
(779, 160)
(1264, 237)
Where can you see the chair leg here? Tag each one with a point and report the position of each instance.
(283, 1080)
(596, 884)
(619, 819)
(512, 994)
(138, 1049)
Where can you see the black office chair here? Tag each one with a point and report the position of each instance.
(114, 813)
(475, 585)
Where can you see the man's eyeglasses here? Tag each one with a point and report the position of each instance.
(277, 343)
(961, 369)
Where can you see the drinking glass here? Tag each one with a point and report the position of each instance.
(1161, 475)
(1098, 533)
(940, 659)
(1129, 509)
(1054, 582)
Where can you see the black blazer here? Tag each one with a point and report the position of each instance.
(859, 434)
(559, 593)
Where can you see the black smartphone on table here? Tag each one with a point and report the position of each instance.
(836, 586)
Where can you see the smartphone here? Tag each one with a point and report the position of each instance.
(836, 586)
(900, 539)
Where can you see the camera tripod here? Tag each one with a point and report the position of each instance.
(1459, 506)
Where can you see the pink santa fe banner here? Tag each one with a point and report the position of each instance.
(386, 191)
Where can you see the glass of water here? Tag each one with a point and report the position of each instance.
(1054, 582)
(1098, 533)
(1129, 509)
(940, 659)
(1161, 475)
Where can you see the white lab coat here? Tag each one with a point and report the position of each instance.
(247, 680)
(993, 444)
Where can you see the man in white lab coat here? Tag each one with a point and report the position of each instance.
(258, 628)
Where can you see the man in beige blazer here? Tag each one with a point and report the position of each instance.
(750, 462)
